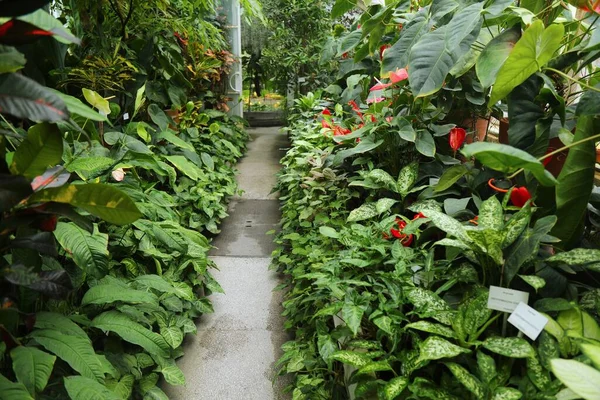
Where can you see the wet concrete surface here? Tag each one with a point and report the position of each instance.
(233, 355)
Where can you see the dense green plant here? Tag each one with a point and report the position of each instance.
(104, 266)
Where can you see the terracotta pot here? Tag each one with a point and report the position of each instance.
(598, 155)
(503, 131)
(478, 127)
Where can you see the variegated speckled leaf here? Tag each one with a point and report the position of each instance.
(384, 205)
(467, 379)
(491, 215)
(447, 224)
(407, 178)
(431, 327)
(430, 304)
(548, 349)
(425, 389)
(435, 348)
(537, 374)
(510, 347)
(487, 367)
(394, 387)
(488, 241)
(534, 281)
(453, 243)
(476, 313)
(357, 360)
(506, 393)
(383, 179)
(374, 366)
(577, 257)
(516, 225)
(427, 204)
(366, 211)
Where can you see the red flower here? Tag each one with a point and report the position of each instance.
(519, 196)
(356, 108)
(373, 119)
(326, 112)
(457, 137)
(475, 221)
(399, 75)
(325, 124)
(375, 100)
(380, 86)
(48, 224)
(339, 131)
(382, 50)
(406, 240)
(419, 215)
(585, 5)
(345, 56)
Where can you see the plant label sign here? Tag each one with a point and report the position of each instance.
(503, 299)
(528, 321)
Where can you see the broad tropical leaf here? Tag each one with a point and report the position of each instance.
(495, 54)
(27, 99)
(580, 378)
(32, 367)
(132, 332)
(435, 348)
(99, 199)
(82, 388)
(509, 347)
(41, 150)
(74, 350)
(13, 390)
(89, 251)
(535, 48)
(106, 294)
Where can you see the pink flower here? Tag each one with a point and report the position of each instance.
(118, 174)
(375, 100)
(399, 75)
(380, 86)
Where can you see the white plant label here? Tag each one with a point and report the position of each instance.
(503, 299)
(125, 116)
(528, 321)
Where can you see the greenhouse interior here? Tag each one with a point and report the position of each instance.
(299, 199)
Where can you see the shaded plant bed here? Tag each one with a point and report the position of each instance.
(265, 118)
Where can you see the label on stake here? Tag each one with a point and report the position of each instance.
(503, 299)
(528, 321)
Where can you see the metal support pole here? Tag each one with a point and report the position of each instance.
(235, 79)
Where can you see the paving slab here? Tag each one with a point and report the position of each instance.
(244, 233)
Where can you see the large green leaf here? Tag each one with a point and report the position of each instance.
(99, 199)
(524, 112)
(491, 215)
(436, 52)
(407, 178)
(575, 184)
(394, 387)
(27, 99)
(128, 142)
(507, 159)
(59, 322)
(132, 332)
(170, 137)
(82, 388)
(366, 211)
(576, 257)
(450, 177)
(42, 19)
(526, 246)
(357, 360)
(41, 150)
(106, 294)
(89, 251)
(11, 60)
(13, 390)
(74, 350)
(32, 367)
(447, 224)
(507, 393)
(495, 54)
(76, 106)
(397, 56)
(535, 48)
(185, 166)
(580, 378)
(123, 387)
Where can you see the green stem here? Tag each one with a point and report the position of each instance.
(570, 78)
(12, 128)
(558, 151)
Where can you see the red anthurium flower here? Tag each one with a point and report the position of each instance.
(475, 221)
(325, 124)
(519, 196)
(356, 108)
(382, 50)
(399, 75)
(373, 119)
(586, 4)
(406, 240)
(457, 137)
(339, 131)
(326, 112)
(380, 86)
(546, 161)
(345, 56)
(419, 215)
(49, 224)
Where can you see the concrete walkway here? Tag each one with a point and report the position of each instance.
(234, 353)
